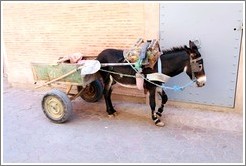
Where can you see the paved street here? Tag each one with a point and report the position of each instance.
(90, 136)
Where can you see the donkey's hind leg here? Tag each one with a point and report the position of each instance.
(164, 99)
(107, 96)
(152, 103)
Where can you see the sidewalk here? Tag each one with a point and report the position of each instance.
(189, 136)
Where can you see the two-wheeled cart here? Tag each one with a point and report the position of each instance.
(56, 104)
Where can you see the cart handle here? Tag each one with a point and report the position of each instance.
(119, 64)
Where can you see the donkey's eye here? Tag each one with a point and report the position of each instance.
(192, 55)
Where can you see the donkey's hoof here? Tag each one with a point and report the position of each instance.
(113, 115)
(160, 124)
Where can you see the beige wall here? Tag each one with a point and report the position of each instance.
(42, 32)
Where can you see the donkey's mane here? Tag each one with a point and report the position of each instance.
(173, 49)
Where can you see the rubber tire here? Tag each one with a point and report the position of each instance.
(62, 99)
(94, 94)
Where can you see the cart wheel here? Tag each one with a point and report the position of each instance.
(57, 106)
(92, 92)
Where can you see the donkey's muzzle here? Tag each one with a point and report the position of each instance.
(201, 81)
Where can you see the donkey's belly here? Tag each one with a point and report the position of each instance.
(127, 85)
(125, 81)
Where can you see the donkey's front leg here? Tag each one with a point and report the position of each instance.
(164, 99)
(152, 104)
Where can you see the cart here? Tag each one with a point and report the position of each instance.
(56, 104)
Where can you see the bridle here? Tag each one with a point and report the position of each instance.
(195, 65)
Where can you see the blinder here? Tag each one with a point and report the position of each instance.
(195, 66)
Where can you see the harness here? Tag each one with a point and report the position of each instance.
(195, 66)
(131, 56)
(175, 87)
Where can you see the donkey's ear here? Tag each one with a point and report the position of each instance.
(192, 45)
(187, 49)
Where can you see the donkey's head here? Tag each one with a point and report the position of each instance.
(195, 68)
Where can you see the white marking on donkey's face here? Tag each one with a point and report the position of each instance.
(201, 81)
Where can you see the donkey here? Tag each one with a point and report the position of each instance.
(173, 61)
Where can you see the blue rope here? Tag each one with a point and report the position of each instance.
(177, 88)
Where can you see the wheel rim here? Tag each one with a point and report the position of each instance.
(90, 90)
(54, 107)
